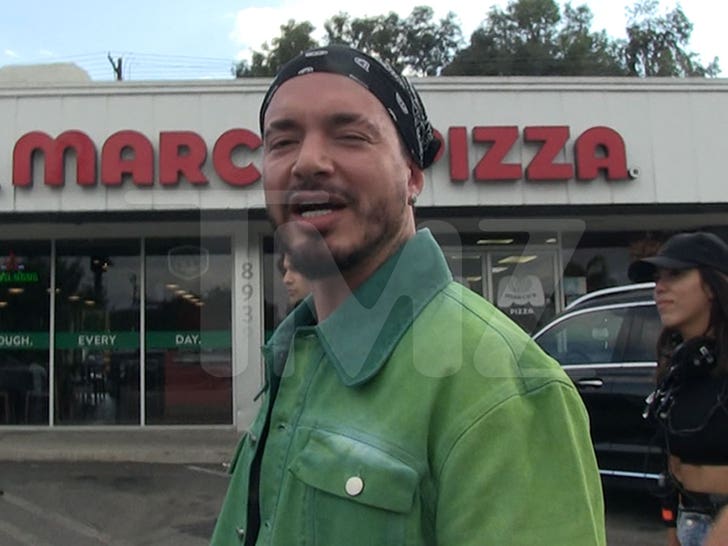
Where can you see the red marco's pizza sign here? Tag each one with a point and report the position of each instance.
(182, 155)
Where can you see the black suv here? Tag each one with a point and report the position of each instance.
(606, 342)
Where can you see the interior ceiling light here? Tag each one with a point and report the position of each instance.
(495, 241)
(517, 259)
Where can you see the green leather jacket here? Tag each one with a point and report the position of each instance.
(416, 414)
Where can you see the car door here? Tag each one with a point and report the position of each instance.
(636, 444)
(589, 344)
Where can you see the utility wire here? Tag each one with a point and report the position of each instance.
(111, 65)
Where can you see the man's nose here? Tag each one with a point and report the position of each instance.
(313, 157)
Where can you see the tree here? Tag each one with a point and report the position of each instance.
(531, 37)
(527, 38)
(430, 46)
(294, 38)
(380, 36)
(584, 52)
(417, 44)
(656, 44)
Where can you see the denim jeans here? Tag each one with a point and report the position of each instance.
(692, 527)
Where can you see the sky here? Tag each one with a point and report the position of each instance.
(201, 39)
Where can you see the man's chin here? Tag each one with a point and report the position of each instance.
(314, 261)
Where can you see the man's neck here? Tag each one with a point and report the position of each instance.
(330, 292)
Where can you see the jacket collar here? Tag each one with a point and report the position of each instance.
(360, 335)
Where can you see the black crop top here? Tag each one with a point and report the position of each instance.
(696, 426)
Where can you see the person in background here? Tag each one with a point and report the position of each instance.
(400, 408)
(690, 402)
(297, 286)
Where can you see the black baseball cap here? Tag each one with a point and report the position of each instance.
(683, 251)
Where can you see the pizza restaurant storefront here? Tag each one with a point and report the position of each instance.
(138, 274)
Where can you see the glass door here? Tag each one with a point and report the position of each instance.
(519, 280)
(24, 339)
(97, 332)
(524, 285)
(188, 316)
(466, 267)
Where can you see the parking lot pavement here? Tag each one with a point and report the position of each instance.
(124, 504)
(150, 504)
(633, 519)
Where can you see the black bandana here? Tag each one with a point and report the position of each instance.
(393, 91)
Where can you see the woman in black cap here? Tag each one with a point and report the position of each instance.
(690, 402)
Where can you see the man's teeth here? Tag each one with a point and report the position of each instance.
(314, 213)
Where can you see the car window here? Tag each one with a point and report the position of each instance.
(585, 338)
(642, 344)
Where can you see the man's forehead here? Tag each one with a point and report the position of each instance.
(322, 85)
(326, 95)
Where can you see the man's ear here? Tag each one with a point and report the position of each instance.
(416, 180)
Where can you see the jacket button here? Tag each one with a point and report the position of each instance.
(240, 532)
(354, 486)
(253, 439)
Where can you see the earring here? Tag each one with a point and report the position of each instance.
(412, 200)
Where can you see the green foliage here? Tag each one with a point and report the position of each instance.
(533, 38)
(294, 38)
(381, 36)
(527, 38)
(417, 45)
(656, 44)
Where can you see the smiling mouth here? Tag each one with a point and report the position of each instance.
(313, 213)
(314, 210)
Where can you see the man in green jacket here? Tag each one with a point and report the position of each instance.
(399, 407)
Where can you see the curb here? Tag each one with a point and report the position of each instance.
(148, 446)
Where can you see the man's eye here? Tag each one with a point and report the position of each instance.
(352, 137)
(280, 143)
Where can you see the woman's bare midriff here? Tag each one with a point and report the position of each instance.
(702, 478)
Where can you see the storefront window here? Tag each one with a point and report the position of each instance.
(188, 315)
(24, 325)
(524, 286)
(467, 269)
(97, 332)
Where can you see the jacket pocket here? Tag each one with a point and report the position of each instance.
(357, 493)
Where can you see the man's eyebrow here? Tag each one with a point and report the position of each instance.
(343, 119)
(335, 120)
(282, 124)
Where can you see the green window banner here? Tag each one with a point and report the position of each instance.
(170, 339)
(97, 340)
(24, 340)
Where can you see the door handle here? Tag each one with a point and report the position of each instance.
(594, 383)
